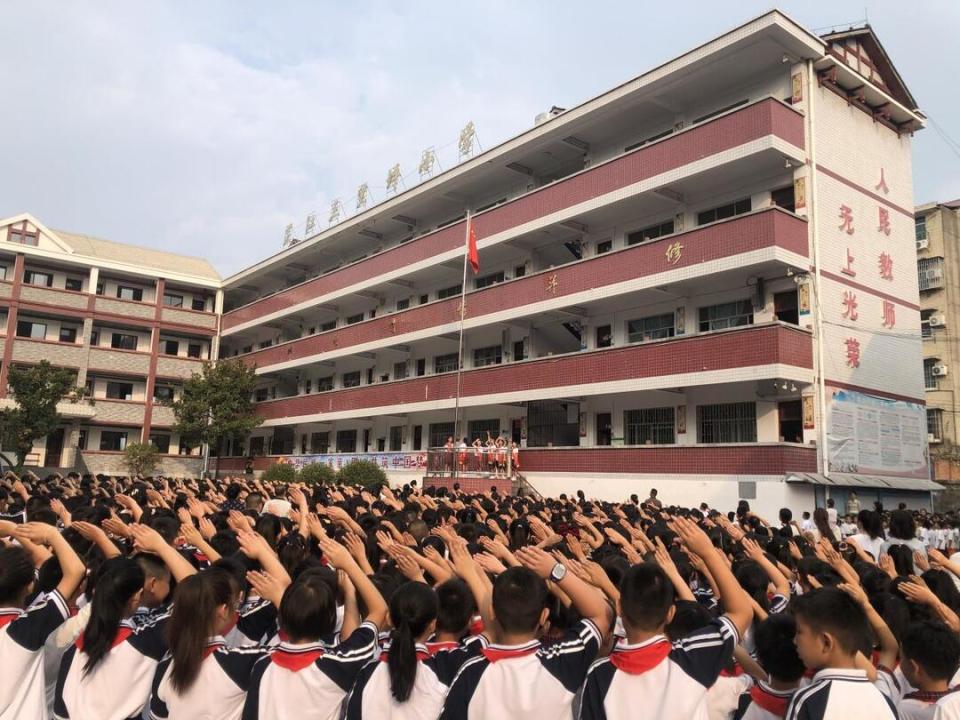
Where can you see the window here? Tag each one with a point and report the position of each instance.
(449, 292)
(169, 347)
(125, 292)
(100, 288)
(604, 247)
(399, 370)
(319, 442)
(194, 350)
(920, 227)
(171, 300)
(351, 319)
(328, 326)
(519, 271)
(94, 338)
(35, 277)
(492, 355)
(346, 441)
(421, 367)
(32, 330)
(119, 391)
(23, 237)
(325, 384)
(935, 424)
(68, 335)
(122, 341)
(163, 393)
(649, 426)
(417, 437)
(650, 233)
(655, 327)
(256, 446)
(261, 394)
(265, 344)
(75, 284)
(784, 198)
(930, 273)
(439, 432)
(726, 315)
(114, 440)
(424, 299)
(161, 442)
(307, 386)
(445, 363)
(727, 423)
(351, 379)
(488, 280)
(519, 351)
(604, 336)
(396, 438)
(3, 272)
(929, 379)
(403, 304)
(247, 348)
(926, 330)
(481, 428)
(723, 212)
(82, 440)
(199, 303)
(369, 376)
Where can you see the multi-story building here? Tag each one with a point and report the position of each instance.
(132, 322)
(938, 275)
(704, 276)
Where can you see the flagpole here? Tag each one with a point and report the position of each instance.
(463, 312)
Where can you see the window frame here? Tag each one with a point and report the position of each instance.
(30, 277)
(72, 340)
(115, 389)
(31, 335)
(714, 324)
(641, 333)
(121, 435)
(443, 361)
(118, 345)
(739, 427)
(170, 296)
(657, 424)
(495, 353)
(135, 292)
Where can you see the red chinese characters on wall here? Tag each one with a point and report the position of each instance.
(846, 219)
(850, 306)
(853, 352)
(848, 270)
(889, 314)
(886, 266)
(884, 221)
(882, 185)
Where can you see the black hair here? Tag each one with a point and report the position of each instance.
(193, 621)
(689, 617)
(412, 608)
(152, 566)
(519, 597)
(832, 611)
(233, 491)
(754, 580)
(871, 523)
(308, 610)
(902, 556)
(786, 515)
(646, 595)
(456, 606)
(120, 579)
(902, 526)
(16, 574)
(776, 650)
(934, 647)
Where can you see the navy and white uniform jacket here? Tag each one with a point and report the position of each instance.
(119, 686)
(256, 624)
(308, 681)
(841, 695)
(531, 681)
(218, 692)
(371, 697)
(920, 705)
(659, 679)
(23, 634)
(764, 703)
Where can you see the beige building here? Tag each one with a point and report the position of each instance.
(132, 322)
(938, 268)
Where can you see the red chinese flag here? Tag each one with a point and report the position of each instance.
(472, 255)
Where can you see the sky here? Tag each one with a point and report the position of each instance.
(205, 128)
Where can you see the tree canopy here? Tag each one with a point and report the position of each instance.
(37, 390)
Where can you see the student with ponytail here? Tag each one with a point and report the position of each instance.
(201, 677)
(408, 681)
(109, 672)
(23, 632)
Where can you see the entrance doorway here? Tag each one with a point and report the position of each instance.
(790, 414)
(54, 448)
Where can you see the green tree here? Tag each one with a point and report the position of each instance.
(37, 390)
(362, 472)
(216, 405)
(141, 458)
(317, 474)
(280, 473)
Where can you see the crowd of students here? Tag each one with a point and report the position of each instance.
(158, 598)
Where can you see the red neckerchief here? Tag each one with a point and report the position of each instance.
(295, 661)
(495, 654)
(928, 696)
(211, 648)
(768, 701)
(476, 626)
(435, 647)
(8, 618)
(123, 633)
(636, 661)
(735, 671)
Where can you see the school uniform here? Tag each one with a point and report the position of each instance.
(219, 691)
(255, 625)
(372, 698)
(840, 695)
(531, 681)
(723, 697)
(23, 634)
(947, 708)
(59, 641)
(764, 703)
(119, 686)
(920, 705)
(308, 681)
(667, 680)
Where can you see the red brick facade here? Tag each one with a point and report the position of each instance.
(739, 235)
(761, 119)
(744, 347)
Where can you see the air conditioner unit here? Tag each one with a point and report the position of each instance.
(939, 370)
(937, 321)
(923, 244)
(931, 438)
